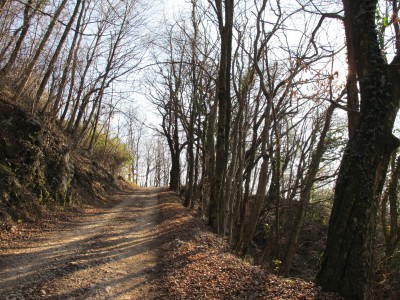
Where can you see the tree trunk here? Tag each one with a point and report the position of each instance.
(353, 102)
(72, 83)
(190, 171)
(224, 12)
(28, 71)
(251, 224)
(2, 4)
(175, 174)
(306, 192)
(391, 231)
(346, 262)
(18, 44)
(75, 43)
(210, 148)
(89, 57)
(54, 58)
(250, 160)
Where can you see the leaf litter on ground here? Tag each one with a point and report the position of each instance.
(197, 264)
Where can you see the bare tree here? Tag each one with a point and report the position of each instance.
(224, 10)
(56, 53)
(346, 263)
(28, 70)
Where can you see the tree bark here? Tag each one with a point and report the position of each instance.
(54, 58)
(2, 4)
(74, 45)
(353, 102)
(251, 224)
(306, 192)
(346, 261)
(25, 27)
(189, 201)
(391, 231)
(174, 148)
(28, 71)
(224, 13)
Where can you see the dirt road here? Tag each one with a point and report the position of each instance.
(109, 255)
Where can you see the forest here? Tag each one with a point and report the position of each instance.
(274, 120)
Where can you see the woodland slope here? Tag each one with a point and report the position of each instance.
(42, 169)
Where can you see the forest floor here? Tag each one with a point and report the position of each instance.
(142, 245)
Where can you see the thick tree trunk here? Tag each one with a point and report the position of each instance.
(175, 174)
(224, 12)
(353, 102)
(346, 261)
(190, 172)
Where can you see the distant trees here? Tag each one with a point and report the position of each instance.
(166, 98)
(156, 163)
(135, 137)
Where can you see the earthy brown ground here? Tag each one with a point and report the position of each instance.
(144, 246)
(109, 253)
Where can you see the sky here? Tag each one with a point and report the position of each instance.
(170, 10)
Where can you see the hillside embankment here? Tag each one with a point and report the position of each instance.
(42, 169)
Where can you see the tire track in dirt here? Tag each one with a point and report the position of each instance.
(111, 255)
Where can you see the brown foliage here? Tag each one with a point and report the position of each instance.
(198, 265)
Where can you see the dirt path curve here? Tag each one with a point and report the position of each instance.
(109, 255)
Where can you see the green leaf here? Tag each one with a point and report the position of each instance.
(385, 21)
